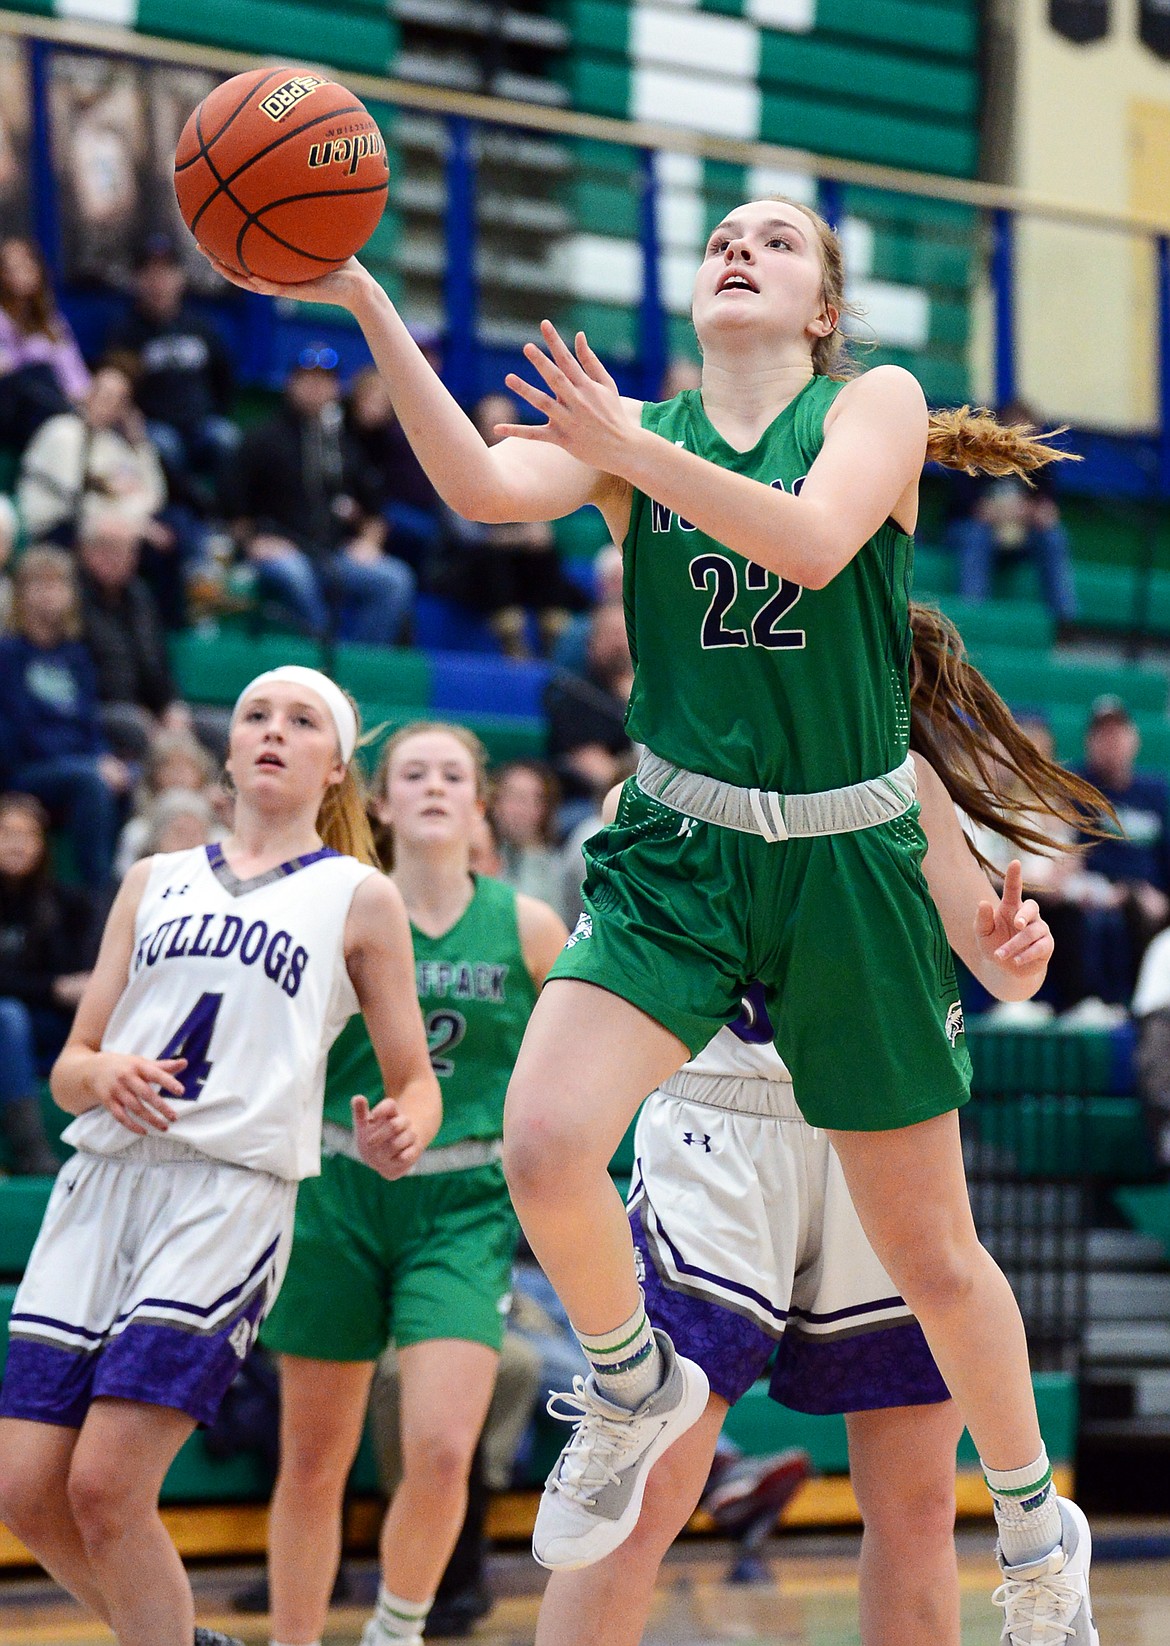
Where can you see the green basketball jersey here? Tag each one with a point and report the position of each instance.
(477, 995)
(748, 677)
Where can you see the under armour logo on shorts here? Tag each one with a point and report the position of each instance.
(703, 1142)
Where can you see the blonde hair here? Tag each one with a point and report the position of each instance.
(383, 833)
(971, 439)
(45, 561)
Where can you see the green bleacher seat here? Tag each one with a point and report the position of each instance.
(215, 668)
(1049, 1058)
(1026, 679)
(383, 674)
(1023, 623)
(1147, 1209)
(1048, 1137)
(505, 736)
(934, 571)
(22, 1206)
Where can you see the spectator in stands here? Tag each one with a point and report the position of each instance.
(409, 504)
(523, 811)
(176, 763)
(572, 648)
(587, 741)
(1151, 1008)
(184, 378)
(9, 529)
(1129, 871)
(48, 942)
(308, 520)
(991, 517)
(41, 369)
(51, 741)
(505, 571)
(179, 822)
(485, 849)
(124, 634)
(101, 459)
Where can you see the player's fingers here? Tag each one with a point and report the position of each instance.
(1013, 889)
(1029, 911)
(359, 1107)
(528, 391)
(1038, 953)
(121, 1115)
(592, 365)
(526, 431)
(560, 351)
(163, 1074)
(552, 373)
(985, 919)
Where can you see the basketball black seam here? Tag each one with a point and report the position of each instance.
(314, 194)
(225, 182)
(236, 112)
(255, 223)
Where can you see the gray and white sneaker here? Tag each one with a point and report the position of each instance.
(593, 1497)
(1047, 1602)
(212, 1637)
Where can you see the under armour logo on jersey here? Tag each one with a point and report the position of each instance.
(240, 1337)
(954, 1023)
(687, 827)
(703, 1142)
(176, 891)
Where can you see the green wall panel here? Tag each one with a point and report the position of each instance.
(855, 71)
(339, 35)
(937, 28)
(864, 134)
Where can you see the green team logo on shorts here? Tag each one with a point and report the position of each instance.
(582, 930)
(954, 1023)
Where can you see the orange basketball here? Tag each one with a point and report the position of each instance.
(281, 174)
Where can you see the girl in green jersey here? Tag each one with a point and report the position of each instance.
(771, 833)
(430, 1265)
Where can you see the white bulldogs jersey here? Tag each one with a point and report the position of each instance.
(744, 1049)
(247, 981)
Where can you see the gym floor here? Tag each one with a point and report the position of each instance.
(809, 1599)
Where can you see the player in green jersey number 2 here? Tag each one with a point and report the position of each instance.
(771, 834)
(430, 1265)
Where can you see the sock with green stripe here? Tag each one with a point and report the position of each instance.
(395, 1621)
(1027, 1513)
(627, 1362)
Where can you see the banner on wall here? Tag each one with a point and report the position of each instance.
(1155, 26)
(15, 126)
(114, 127)
(1081, 20)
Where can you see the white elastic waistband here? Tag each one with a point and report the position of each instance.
(768, 1099)
(453, 1157)
(779, 816)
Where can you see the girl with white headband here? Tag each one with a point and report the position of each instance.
(195, 1069)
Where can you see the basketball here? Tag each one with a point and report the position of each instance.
(281, 174)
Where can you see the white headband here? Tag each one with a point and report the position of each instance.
(313, 680)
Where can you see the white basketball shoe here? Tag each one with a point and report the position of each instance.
(1046, 1603)
(593, 1497)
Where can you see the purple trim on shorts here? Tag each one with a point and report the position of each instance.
(149, 1362)
(868, 1369)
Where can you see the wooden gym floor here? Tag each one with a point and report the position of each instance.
(810, 1600)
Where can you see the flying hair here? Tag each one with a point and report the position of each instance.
(968, 438)
(962, 726)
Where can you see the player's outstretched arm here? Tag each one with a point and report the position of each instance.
(868, 467)
(507, 482)
(1001, 937)
(84, 1077)
(380, 962)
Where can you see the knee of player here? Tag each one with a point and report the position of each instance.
(312, 1468)
(24, 1500)
(100, 1501)
(916, 1511)
(438, 1460)
(541, 1155)
(936, 1274)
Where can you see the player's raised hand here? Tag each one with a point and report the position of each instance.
(1011, 932)
(131, 1087)
(339, 287)
(386, 1138)
(587, 417)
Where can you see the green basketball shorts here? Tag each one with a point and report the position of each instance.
(410, 1261)
(840, 929)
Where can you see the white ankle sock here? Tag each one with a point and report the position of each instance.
(627, 1362)
(398, 1622)
(1027, 1513)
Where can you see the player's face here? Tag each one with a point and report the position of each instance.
(283, 745)
(761, 273)
(431, 794)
